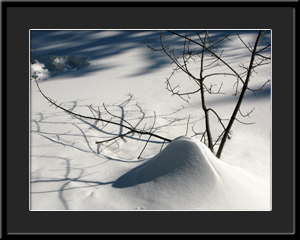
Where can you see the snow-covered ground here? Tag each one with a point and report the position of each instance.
(88, 68)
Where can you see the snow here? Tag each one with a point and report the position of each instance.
(88, 68)
(47, 66)
(187, 175)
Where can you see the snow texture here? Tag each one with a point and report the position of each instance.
(47, 66)
(88, 68)
(186, 172)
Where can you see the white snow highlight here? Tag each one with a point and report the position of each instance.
(68, 171)
(186, 175)
(182, 159)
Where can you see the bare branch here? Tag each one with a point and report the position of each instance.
(108, 140)
(261, 50)
(221, 136)
(91, 111)
(243, 122)
(259, 89)
(248, 114)
(106, 123)
(210, 57)
(267, 58)
(149, 136)
(203, 136)
(243, 41)
(162, 146)
(174, 59)
(130, 127)
(220, 120)
(213, 54)
(187, 125)
(233, 116)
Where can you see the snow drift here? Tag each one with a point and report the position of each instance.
(182, 159)
(186, 174)
(49, 65)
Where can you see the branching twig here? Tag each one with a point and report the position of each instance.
(162, 146)
(237, 107)
(119, 136)
(130, 127)
(248, 114)
(213, 54)
(187, 125)
(122, 119)
(204, 47)
(244, 122)
(243, 41)
(149, 136)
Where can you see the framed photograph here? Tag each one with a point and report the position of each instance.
(149, 119)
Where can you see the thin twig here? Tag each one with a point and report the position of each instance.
(248, 114)
(162, 146)
(130, 127)
(244, 122)
(187, 125)
(149, 136)
(108, 140)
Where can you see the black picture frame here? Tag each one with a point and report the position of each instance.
(19, 17)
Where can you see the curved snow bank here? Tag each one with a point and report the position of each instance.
(181, 159)
(49, 65)
(186, 175)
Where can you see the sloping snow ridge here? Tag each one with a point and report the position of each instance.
(49, 65)
(186, 175)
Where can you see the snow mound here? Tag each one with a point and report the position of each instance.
(182, 159)
(186, 175)
(49, 65)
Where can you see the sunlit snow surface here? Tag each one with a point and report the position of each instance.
(88, 68)
(186, 175)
